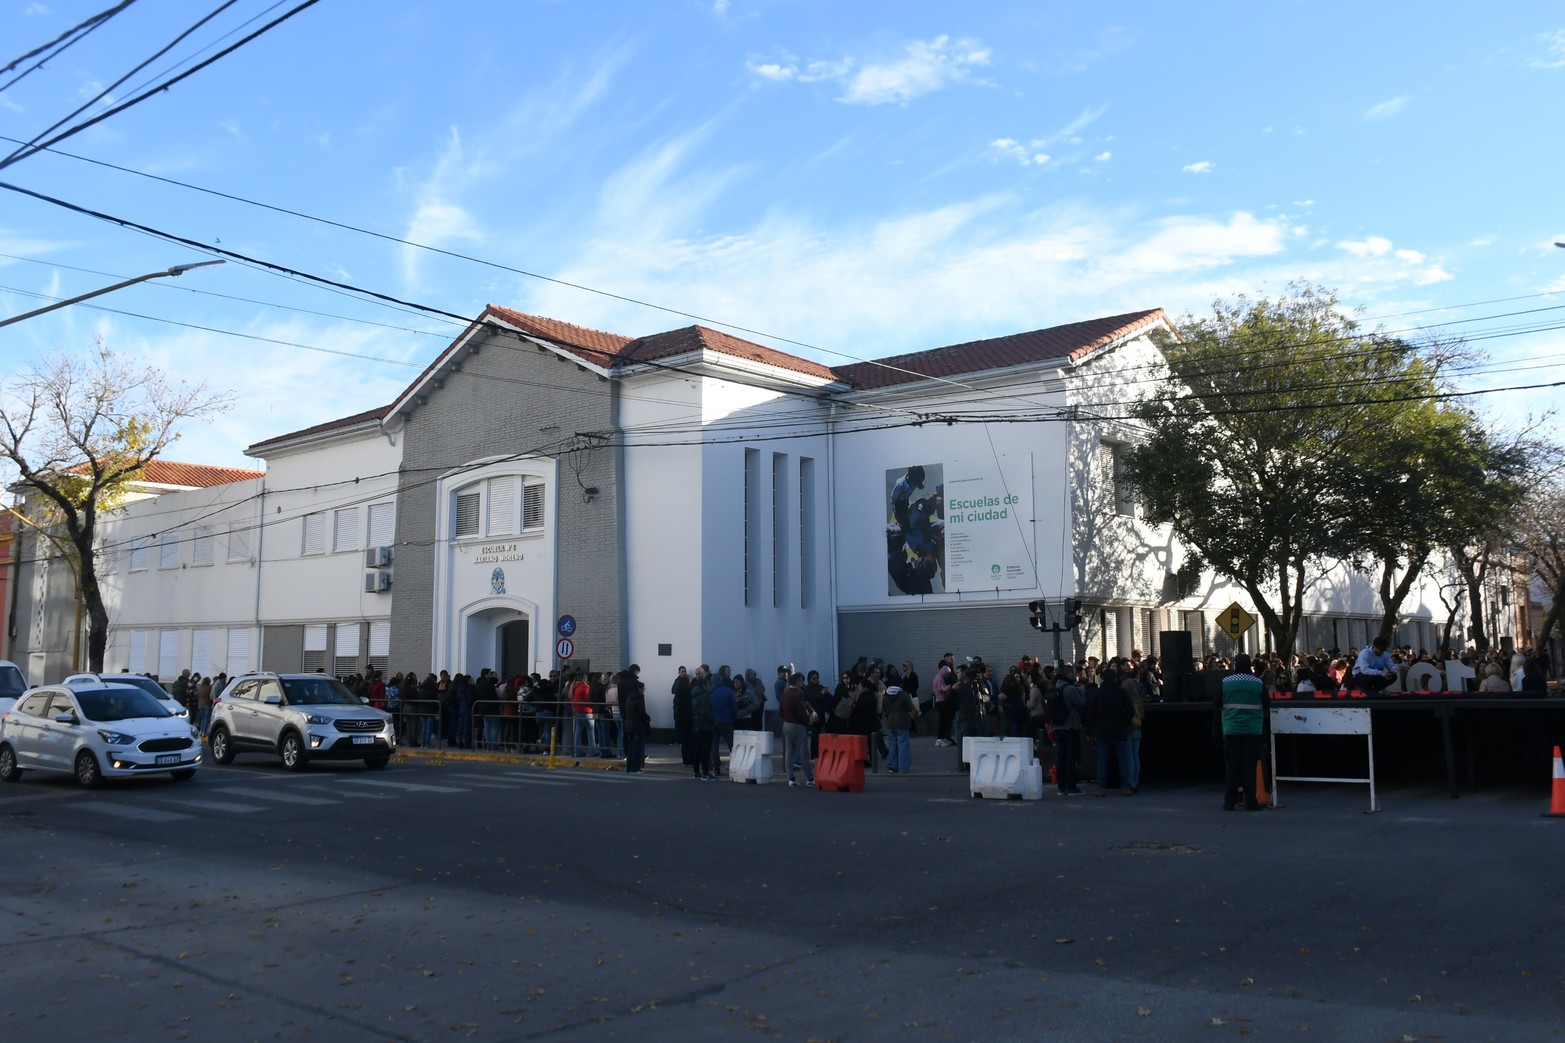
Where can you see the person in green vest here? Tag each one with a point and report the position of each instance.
(1244, 721)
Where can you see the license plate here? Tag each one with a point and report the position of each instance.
(363, 740)
(168, 758)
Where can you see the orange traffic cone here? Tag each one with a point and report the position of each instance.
(1261, 796)
(1557, 801)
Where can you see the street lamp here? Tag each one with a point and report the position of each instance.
(178, 269)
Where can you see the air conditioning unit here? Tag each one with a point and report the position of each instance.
(377, 582)
(377, 557)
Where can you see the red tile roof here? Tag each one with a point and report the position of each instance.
(696, 338)
(1071, 341)
(189, 476)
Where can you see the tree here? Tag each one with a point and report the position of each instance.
(78, 431)
(1541, 541)
(1265, 441)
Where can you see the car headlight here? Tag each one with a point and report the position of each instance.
(115, 738)
(195, 733)
(316, 718)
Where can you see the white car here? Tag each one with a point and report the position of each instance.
(12, 684)
(141, 681)
(111, 731)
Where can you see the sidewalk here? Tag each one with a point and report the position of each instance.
(928, 759)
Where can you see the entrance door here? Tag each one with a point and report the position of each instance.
(514, 649)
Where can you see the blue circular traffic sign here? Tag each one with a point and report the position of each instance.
(567, 626)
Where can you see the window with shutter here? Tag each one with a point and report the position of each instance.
(502, 507)
(201, 548)
(140, 548)
(168, 550)
(345, 529)
(238, 652)
(467, 517)
(314, 534)
(201, 652)
(532, 506)
(383, 524)
(238, 542)
(168, 654)
(138, 652)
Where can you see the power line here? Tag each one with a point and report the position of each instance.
(75, 34)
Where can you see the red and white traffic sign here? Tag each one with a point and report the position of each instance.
(564, 648)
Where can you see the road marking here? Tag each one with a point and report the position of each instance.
(411, 787)
(286, 798)
(226, 806)
(511, 784)
(131, 811)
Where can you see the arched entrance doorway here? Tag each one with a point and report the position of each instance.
(499, 638)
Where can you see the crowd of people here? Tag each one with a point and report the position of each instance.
(582, 715)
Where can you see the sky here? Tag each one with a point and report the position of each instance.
(839, 180)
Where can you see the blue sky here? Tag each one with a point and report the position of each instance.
(842, 180)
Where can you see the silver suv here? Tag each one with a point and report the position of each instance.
(300, 718)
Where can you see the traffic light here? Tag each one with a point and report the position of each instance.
(1040, 615)
(1072, 613)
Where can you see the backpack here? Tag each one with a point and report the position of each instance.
(1059, 710)
(844, 708)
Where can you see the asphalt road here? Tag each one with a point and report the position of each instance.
(495, 901)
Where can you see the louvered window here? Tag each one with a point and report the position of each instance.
(201, 547)
(383, 524)
(532, 506)
(314, 534)
(502, 507)
(238, 542)
(467, 517)
(140, 548)
(168, 550)
(345, 529)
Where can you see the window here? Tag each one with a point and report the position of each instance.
(383, 524)
(751, 520)
(201, 652)
(380, 646)
(779, 526)
(238, 652)
(238, 542)
(168, 550)
(1111, 473)
(139, 548)
(345, 529)
(502, 507)
(138, 652)
(347, 648)
(806, 528)
(532, 506)
(168, 654)
(466, 514)
(201, 548)
(315, 646)
(314, 534)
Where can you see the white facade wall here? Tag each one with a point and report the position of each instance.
(205, 582)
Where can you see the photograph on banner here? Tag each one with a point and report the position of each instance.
(956, 526)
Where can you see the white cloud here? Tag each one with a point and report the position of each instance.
(36, 9)
(1027, 156)
(1386, 108)
(1201, 167)
(1373, 246)
(1304, 202)
(923, 67)
(1433, 274)
(436, 221)
(1483, 240)
(1553, 50)
(720, 7)
(1104, 157)
(1410, 256)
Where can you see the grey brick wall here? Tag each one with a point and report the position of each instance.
(511, 398)
(998, 633)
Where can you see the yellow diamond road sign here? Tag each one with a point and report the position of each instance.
(1235, 620)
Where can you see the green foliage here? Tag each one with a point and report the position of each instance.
(1286, 439)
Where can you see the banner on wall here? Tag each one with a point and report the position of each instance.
(954, 527)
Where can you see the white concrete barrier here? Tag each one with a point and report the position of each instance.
(751, 758)
(1000, 769)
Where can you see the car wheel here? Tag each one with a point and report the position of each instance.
(292, 749)
(88, 774)
(183, 774)
(376, 763)
(222, 746)
(9, 772)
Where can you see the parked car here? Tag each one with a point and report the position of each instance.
(12, 684)
(300, 718)
(107, 731)
(141, 681)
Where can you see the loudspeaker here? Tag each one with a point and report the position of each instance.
(1175, 652)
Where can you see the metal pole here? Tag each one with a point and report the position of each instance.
(178, 269)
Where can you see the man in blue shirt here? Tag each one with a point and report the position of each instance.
(1373, 670)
